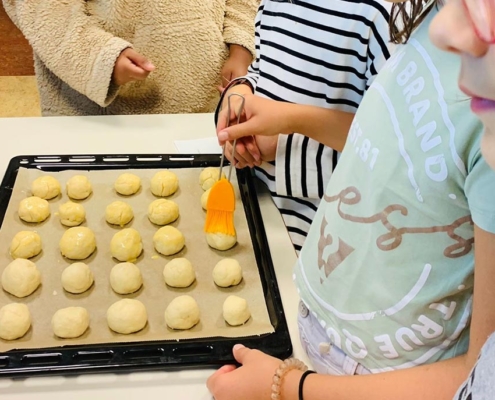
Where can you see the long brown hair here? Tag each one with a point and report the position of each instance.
(405, 17)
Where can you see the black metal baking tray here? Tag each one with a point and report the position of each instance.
(152, 355)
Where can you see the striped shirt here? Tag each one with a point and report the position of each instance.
(323, 53)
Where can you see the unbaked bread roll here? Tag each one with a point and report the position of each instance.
(127, 316)
(179, 273)
(182, 313)
(204, 198)
(21, 278)
(119, 213)
(125, 278)
(46, 187)
(25, 244)
(227, 273)
(236, 310)
(79, 187)
(168, 240)
(71, 214)
(209, 176)
(164, 183)
(221, 241)
(127, 184)
(15, 321)
(126, 245)
(163, 211)
(34, 209)
(77, 278)
(78, 243)
(70, 322)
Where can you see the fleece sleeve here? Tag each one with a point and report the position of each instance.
(70, 43)
(238, 23)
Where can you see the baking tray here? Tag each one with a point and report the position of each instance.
(162, 355)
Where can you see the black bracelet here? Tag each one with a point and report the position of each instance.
(301, 382)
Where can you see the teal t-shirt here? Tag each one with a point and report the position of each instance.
(388, 264)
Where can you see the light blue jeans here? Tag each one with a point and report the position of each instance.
(325, 356)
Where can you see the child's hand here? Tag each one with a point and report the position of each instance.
(253, 380)
(251, 150)
(235, 66)
(131, 66)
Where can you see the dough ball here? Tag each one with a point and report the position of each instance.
(204, 198)
(168, 240)
(79, 187)
(77, 278)
(21, 278)
(15, 321)
(209, 176)
(221, 241)
(126, 245)
(182, 313)
(71, 214)
(45, 187)
(119, 213)
(127, 184)
(164, 183)
(127, 316)
(34, 209)
(236, 310)
(78, 243)
(227, 273)
(125, 278)
(163, 212)
(70, 322)
(179, 273)
(25, 244)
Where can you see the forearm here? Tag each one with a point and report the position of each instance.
(438, 381)
(329, 127)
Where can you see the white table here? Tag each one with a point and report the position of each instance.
(139, 135)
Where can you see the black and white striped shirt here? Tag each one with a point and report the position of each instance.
(315, 52)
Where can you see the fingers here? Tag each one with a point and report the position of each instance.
(237, 131)
(243, 155)
(140, 60)
(240, 353)
(211, 381)
(135, 72)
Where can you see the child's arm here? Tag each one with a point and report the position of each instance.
(436, 381)
(70, 44)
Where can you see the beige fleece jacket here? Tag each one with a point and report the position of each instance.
(76, 44)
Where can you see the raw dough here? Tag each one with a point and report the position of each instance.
(127, 316)
(227, 273)
(163, 212)
(164, 183)
(71, 214)
(21, 278)
(236, 310)
(168, 240)
(79, 187)
(208, 177)
(78, 243)
(204, 198)
(77, 278)
(125, 278)
(119, 213)
(25, 244)
(221, 241)
(179, 273)
(127, 184)
(34, 209)
(15, 321)
(70, 322)
(182, 313)
(46, 187)
(126, 245)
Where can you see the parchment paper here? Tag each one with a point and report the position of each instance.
(154, 294)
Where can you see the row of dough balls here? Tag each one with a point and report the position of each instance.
(22, 277)
(126, 316)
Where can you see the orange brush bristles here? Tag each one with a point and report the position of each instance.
(220, 208)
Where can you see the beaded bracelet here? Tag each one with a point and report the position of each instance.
(286, 366)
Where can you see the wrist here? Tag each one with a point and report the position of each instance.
(286, 378)
(240, 52)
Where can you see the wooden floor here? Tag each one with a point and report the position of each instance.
(18, 92)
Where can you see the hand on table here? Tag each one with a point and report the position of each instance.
(131, 66)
